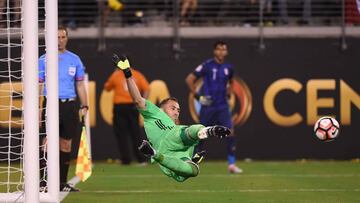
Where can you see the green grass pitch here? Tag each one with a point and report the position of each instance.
(261, 182)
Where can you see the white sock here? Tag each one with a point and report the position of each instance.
(202, 133)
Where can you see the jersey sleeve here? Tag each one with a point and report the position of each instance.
(41, 69)
(151, 110)
(80, 70)
(200, 70)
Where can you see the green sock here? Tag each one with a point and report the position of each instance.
(177, 165)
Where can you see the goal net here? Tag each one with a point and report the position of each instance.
(19, 169)
(11, 93)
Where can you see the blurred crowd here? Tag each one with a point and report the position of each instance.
(75, 13)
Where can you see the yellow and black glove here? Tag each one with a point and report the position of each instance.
(123, 64)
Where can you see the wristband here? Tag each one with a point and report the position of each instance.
(127, 73)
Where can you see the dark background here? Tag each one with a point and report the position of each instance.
(258, 138)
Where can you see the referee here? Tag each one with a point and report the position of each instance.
(125, 114)
(71, 80)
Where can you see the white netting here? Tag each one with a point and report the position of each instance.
(11, 94)
(11, 91)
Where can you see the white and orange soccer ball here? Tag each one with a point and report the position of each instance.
(327, 128)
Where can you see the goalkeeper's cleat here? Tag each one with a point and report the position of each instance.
(232, 168)
(198, 157)
(214, 131)
(146, 149)
(65, 187)
(121, 62)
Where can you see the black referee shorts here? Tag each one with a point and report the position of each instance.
(69, 122)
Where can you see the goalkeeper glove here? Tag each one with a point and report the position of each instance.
(122, 63)
(204, 100)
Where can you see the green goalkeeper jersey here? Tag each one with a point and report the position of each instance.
(157, 123)
(172, 141)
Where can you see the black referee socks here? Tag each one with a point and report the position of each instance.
(64, 166)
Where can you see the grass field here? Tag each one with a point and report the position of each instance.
(261, 182)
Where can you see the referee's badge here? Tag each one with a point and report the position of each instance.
(72, 70)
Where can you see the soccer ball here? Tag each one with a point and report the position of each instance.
(326, 128)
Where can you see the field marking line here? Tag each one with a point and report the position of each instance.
(226, 191)
(242, 175)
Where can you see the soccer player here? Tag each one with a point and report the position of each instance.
(217, 78)
(171, 145)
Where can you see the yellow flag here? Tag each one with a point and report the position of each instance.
(83, 164)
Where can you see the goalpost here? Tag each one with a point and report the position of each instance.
(19, 135)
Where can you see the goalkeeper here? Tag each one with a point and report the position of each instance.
(171, 145)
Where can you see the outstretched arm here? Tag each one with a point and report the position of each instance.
(135, 93)
(190, 81)
(123, 63)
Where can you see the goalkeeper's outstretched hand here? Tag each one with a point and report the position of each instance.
(121, 62)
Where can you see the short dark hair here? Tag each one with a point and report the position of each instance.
(219, 42)
(61, 27)
(164, 101)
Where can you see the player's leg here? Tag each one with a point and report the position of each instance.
(175, 153)
(189, 136)
(135, 133)
(206, 116)
(183, 139)
(121, 130)
(69, 129)
(180, 166)
(224, 118)
(173, 175)
(179, 145)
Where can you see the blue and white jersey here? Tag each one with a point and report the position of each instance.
(215, 79)
(70, 70)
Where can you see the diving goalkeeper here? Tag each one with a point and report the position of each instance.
(171, 145)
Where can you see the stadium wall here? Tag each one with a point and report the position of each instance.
(307, 77)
